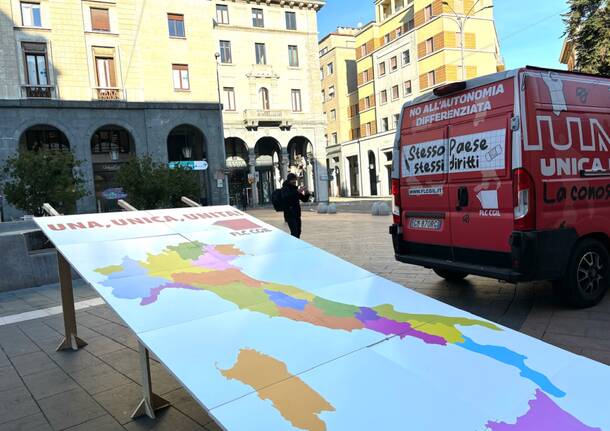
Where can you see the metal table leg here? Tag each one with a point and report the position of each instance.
(71, 340)
(151, 402)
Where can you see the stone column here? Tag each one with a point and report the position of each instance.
(252, 165)
(284, 163)
(310, 173)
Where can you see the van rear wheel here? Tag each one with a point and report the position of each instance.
(450, 275)
(588, 276)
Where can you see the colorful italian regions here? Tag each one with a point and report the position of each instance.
(543, 415)
(298, 403)
(197, 266)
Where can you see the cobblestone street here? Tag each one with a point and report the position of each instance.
(98, 387)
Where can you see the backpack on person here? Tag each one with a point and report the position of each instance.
(277, 200)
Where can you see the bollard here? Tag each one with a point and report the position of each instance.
(383, 209)
(375, 209)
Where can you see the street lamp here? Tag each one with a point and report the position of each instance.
(461, 21)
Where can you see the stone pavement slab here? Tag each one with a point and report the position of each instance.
(70, 408)
(103, 423)
(16, 404)
(36, 422)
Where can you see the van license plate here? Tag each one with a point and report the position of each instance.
(425, 224)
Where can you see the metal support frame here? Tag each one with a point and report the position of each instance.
(189, 202)
(71, 340)
(151, 402)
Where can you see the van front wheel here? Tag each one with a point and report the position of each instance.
(588, 276)
(450, 275)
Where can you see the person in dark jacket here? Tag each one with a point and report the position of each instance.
(244, 199)
(292, 198)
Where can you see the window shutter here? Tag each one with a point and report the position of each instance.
(100, 20)
(112, 72)
(34, 47)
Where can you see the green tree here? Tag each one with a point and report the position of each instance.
(588, 28)
(151, 185)
(33, 178)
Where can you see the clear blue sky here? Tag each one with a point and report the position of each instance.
(529, 30)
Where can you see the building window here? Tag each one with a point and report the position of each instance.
(367, 102)
(323, 96)
(383, 97)
(428, 12)
(330, 68)
(293, 56)
(399, 31)
(264, 95)
(382, 68)
(225, 52)
(395, 92)
(106, 76)
(30, 15)
(367, 129)
(291, 21)
(36, 64)
(331, 92)
(407, 89)
(393, 64)
(429, 46)
(363, 50)
(321, 73)
(335, 139)
(222, 14)
(296, 101)
(176, 25)
(431, 78)
(100, 20)
(365, 76)
(385, 126)
(406, 57)
(261, 53)
(229, 98)
(386, 39)
(181, 77)
(333, 114)
(356, 133)
(258, 20)
(395, 120)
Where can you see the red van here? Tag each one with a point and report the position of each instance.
(508, 176)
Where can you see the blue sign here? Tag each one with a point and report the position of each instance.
(114, 194)
(195, 165)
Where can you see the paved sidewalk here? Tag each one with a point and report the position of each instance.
(98, 387)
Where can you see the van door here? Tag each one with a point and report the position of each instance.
(480, 186)
(424, 197)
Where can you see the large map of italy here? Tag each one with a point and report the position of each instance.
(197, 266)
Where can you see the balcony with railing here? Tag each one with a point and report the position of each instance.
(38, 91)
(254, 118)
(108, 93)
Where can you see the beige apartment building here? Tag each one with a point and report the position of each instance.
(109, 79)
(410, 48)
(268, 75)
(338, 74)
